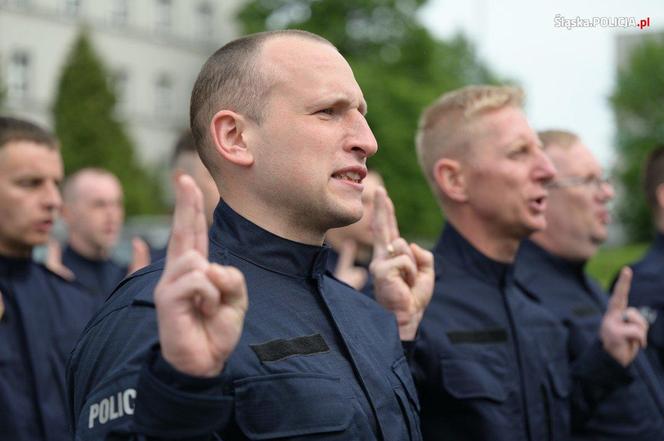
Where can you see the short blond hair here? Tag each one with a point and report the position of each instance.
(560, 138)
(444, 126)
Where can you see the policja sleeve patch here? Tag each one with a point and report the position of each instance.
(109, 408)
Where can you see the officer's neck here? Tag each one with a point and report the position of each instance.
(496, 243)
(88, 250)
(281, 223)
(15, 251)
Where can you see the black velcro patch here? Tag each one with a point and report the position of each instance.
(497, 335)
(585, 311)
(279, 349)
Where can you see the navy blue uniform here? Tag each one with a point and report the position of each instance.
(44, 314)
(491, 364)
(333, 260)
(648, 291)
(630, 409)
(315, 360)
(97, 276)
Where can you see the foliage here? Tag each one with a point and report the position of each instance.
(401, 68)
(637, 104)
(604, 266)
(92, 136)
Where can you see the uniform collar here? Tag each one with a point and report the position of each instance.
(70, 253)
(12, 266)
(538, 268)
(658, 243)
(454, 248)
(263, 248)
(535, 254)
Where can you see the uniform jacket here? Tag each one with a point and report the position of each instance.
(631, 411)
(316, 360)
(492, 364)
(44, 314)
(97, 276)
(648, 291)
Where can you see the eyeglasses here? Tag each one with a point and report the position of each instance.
(595, 182)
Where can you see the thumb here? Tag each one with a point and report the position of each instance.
(140, 254)
(231, 285)
(423, 258)
(53, 253)
(347, 255)
(2, 306)
(620, 297)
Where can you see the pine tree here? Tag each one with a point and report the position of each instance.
(92, 136)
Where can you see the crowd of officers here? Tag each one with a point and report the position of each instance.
(288, 306)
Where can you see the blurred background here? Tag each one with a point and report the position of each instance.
(112, 78)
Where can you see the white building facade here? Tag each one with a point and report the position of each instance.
(152, 49)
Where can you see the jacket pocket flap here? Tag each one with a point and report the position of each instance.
(292, 404)
(472, 379)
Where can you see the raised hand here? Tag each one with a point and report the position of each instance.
(624, 331)
(346, 271)
(403, 273)
(53, 260)
(140, 255)
(200, 305)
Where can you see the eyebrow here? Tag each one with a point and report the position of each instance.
(340, 99)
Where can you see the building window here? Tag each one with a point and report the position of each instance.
(72, 8)
(204, 21)
(163, 16)
(119, 12)
(18, 76)
(163, 95)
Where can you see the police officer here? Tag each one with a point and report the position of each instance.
(648, 279)
(42, 314)
(352, 246)
(550, 268)
(491, 363)
(93, 211)
(279, 121)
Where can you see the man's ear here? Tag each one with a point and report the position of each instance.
(227, 130)
(450, 179)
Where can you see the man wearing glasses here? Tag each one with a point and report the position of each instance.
(550, 269)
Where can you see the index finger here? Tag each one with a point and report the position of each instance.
(620, 297)
(383, 222)
(189, 230)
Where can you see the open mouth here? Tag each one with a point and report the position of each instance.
(349, 176)
(538, 204)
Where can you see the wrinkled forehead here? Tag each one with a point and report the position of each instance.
(300, 66)
(500, 129)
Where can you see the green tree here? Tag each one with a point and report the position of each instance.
(3, 90)
(401, 68)
(92, 136)
(637, 105)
